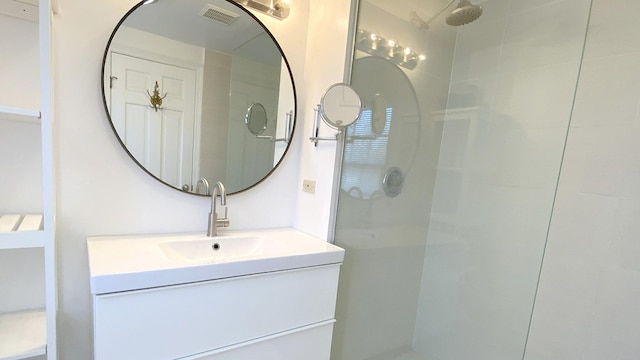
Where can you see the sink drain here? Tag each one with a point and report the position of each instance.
(215, 247)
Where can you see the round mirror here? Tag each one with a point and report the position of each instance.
(340, 106)
(178, 78)
(391, 124)
(256, 119)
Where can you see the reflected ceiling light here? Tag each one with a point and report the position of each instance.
(389, 49)
(147, 2)
(278, 9)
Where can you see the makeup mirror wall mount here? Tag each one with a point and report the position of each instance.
(178, 78)
(339, 108)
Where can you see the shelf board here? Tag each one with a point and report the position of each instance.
(19, 231)
(23, 335)
(20, 9)
(18, 114)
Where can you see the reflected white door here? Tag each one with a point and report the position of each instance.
(161, 140)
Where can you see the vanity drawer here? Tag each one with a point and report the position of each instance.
(178, 321)
(308, 343)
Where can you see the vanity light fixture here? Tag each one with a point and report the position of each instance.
(278, 9)
(389, 49)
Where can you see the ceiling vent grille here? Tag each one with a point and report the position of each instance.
(219, 14)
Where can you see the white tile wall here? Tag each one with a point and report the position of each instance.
(514, 74)
(525, 97)
(478, 51)
(587, 302)
(544, 35)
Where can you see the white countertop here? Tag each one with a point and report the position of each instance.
(124, 263)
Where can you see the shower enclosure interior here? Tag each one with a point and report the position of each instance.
(449, 177)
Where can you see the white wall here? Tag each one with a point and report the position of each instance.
(587, 303)
(19, 88)
(326, 51)
(101, 191)
(20, 154)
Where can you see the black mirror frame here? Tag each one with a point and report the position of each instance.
(106, 108)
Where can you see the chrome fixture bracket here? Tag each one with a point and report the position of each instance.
(287, 131)
(316, 129)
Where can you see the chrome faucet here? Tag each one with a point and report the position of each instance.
(214, 221)
(204, 183)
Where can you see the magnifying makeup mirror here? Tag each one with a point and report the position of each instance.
(257, 123)
(256, 119)
(339, 107)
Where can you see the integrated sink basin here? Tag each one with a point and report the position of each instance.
(221, 248)
(124, 263)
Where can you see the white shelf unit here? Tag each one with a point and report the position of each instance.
(32, 334)
(18, 231)
(18, 114)
(23, 335)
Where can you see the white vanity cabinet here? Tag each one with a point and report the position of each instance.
(27, 253)
(281, 315)
(257, 294)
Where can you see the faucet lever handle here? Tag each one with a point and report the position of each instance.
(223, 222)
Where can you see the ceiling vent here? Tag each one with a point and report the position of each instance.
(217, 14)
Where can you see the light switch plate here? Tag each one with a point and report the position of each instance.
(309, 186)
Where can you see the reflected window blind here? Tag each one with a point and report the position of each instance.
(365, 153)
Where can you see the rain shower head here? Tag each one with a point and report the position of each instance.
(464, 14)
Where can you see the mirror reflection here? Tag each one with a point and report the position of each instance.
(256, 119)
(179, 76)
(390, 124)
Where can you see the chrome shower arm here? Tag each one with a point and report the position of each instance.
(439, 13)
(418, 22)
